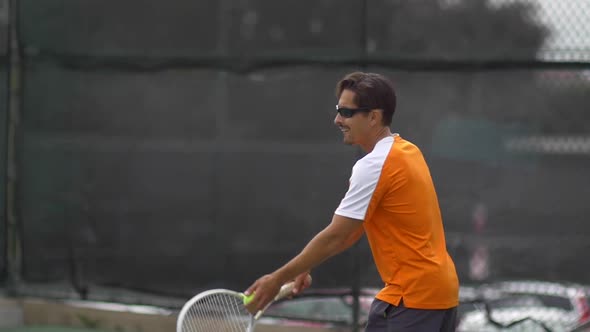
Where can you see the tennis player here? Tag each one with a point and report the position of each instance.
(391, 198)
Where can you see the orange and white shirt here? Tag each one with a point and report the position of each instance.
(391, 190)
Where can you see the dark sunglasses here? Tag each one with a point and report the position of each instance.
(350, 112)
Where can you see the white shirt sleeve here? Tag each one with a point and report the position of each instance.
(363, 181)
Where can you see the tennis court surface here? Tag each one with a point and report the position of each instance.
(48, 329)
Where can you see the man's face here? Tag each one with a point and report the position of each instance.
(355, 128)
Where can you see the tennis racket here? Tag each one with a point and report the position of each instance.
(222, 310)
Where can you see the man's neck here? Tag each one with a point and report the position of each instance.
(379, 135)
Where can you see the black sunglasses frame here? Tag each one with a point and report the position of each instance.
(346, 112)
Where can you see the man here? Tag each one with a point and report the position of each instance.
(391, 198)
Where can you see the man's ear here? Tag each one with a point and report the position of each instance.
(376, 116)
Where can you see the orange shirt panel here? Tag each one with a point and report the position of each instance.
(405, 231)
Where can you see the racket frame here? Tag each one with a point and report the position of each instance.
(189, 304)
(285, 291)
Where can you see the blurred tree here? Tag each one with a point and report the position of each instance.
(460, 30)
(292, 27)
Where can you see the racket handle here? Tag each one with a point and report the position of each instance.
(286, 290)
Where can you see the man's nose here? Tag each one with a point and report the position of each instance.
(338, 119)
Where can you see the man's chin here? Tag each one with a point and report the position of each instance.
(347, 141)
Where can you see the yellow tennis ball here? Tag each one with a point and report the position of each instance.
(248, 298)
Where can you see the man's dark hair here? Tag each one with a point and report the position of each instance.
(372, 91)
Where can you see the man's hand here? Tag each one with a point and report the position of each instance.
(302, 282)
(342, 233)
(264, 289)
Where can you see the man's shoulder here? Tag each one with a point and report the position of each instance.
(400, 141)
(373, 160)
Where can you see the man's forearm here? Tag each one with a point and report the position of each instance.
(323, 246)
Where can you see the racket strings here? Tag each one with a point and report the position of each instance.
(217, 313)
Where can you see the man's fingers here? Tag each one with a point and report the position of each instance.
(251, 298)
(262, 291)
(252, 289)
(307, 281)
(302, 282)
(299, 285)
(256, 302)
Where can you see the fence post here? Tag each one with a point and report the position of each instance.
(13, 240)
